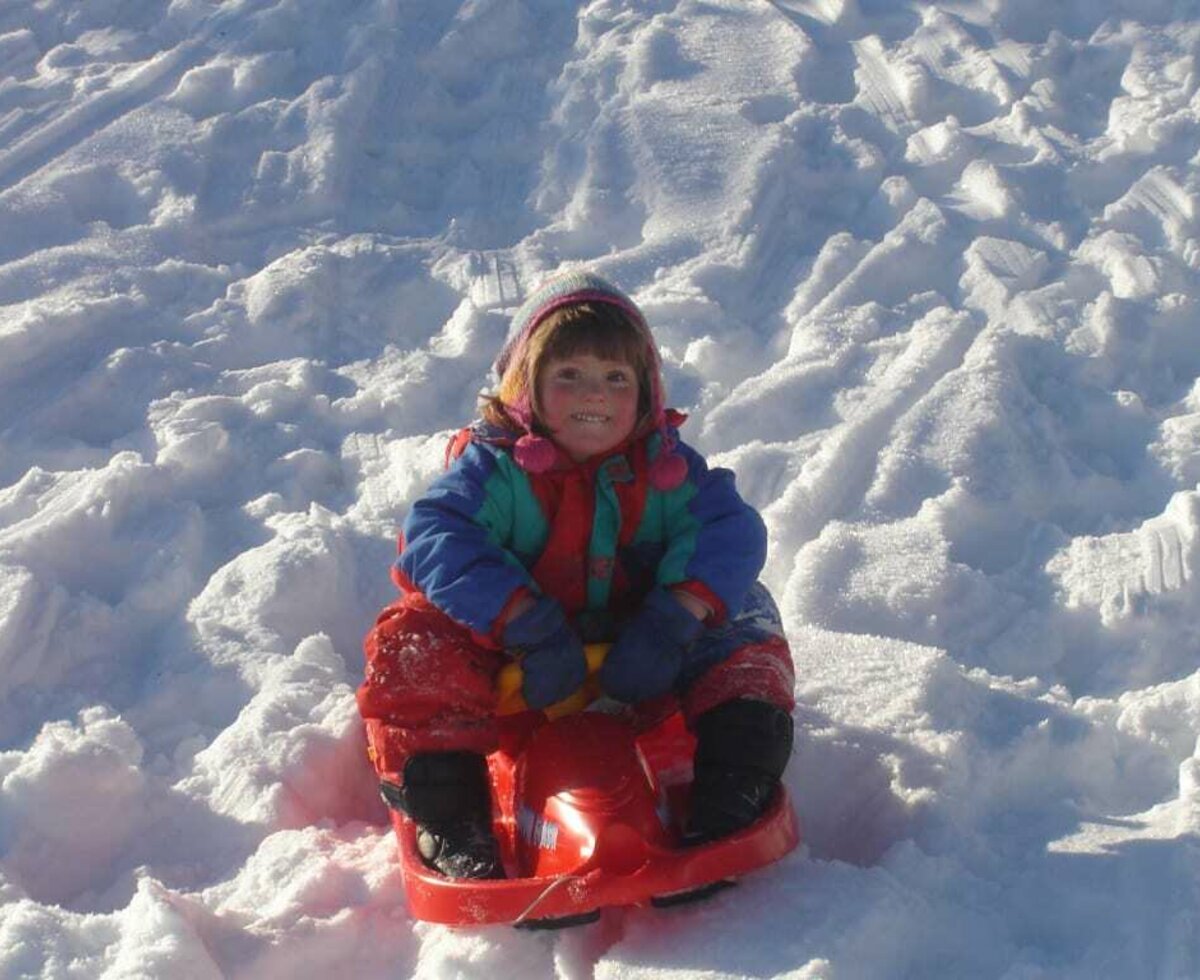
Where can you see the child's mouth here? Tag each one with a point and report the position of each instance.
(589, 419)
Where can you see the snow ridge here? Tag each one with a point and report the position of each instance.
(924, 275)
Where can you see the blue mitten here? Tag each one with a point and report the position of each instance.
(646, 659)
(550, 652)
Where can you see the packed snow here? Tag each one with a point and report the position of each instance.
(925, 275)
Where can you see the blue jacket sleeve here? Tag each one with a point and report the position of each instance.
(455, 539)
(714, 537)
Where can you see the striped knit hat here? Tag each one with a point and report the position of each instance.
(537, 454)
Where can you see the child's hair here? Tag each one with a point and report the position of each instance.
(571, 313)
(599, 329)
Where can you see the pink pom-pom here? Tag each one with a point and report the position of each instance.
(668, 471)
(535, 454)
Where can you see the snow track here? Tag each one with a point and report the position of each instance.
(1120, 575)
(924, 275)
(133, 87)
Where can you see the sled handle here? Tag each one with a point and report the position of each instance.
(508, 686)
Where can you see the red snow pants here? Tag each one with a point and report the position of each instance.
(430, 685)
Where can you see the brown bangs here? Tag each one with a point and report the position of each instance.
(599, 329)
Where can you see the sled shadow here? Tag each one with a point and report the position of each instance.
(842, 791)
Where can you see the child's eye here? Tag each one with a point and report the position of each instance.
(618, 378)
(567, 374)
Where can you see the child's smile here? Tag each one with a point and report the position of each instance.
(589, 403)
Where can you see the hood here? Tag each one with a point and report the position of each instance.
(536, 453)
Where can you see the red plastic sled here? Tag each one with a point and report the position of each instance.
(588, 815)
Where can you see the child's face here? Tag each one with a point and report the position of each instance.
(589, 404)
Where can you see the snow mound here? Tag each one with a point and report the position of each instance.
(924, 275)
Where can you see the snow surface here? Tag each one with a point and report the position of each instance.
(925, 275)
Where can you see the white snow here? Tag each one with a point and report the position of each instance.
(926, 275)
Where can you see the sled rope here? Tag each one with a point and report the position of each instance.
(552, 887)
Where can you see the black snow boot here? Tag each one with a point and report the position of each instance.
(742, 748)
(447, 796)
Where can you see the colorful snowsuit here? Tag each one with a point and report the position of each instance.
(597, 536)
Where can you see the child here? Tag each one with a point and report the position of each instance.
(572, 514)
